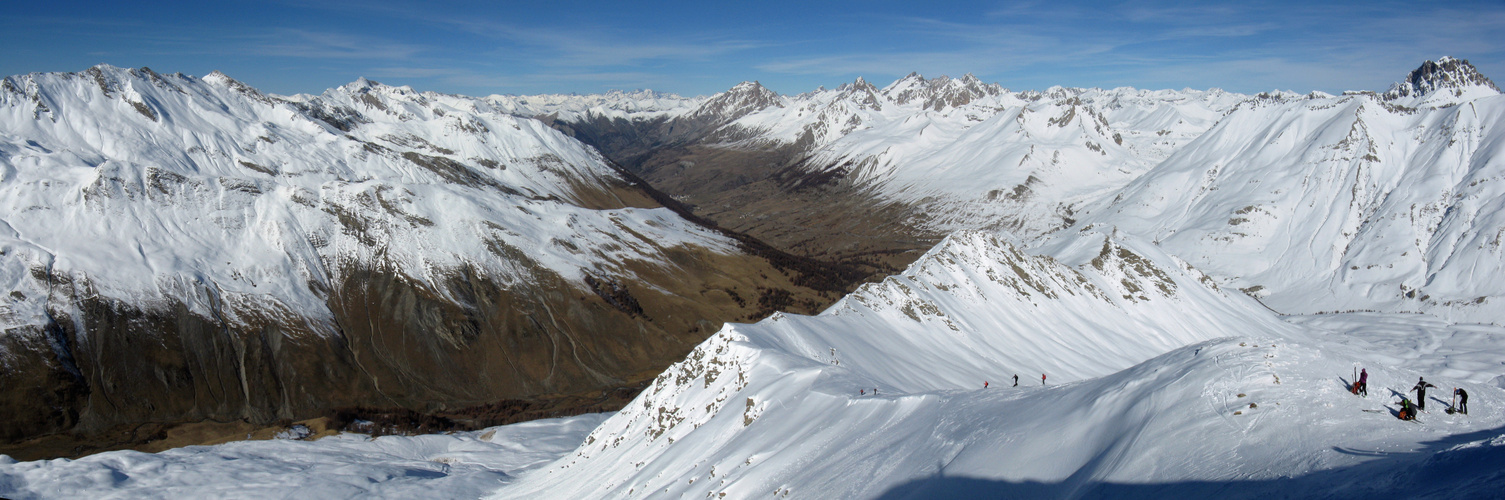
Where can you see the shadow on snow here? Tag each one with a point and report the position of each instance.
(1436, 471)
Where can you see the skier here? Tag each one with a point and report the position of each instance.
(984, 384)
(1462, 400)
(862, 392)
(1016, 380)
(1407, 410)
(1042, 379)
(1362, 386)
(1421, 393)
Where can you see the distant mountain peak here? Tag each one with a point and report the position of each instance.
(741, 100)
(859, 85)
(1446, 73)
(940, 92)
(360, 84)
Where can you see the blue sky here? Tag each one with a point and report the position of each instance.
(481, 48)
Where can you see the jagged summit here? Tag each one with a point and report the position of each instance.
(741, 100)
(940, 92)
(1455, 75)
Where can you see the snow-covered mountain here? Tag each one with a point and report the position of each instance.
(639, 104)
(959, 151)
(894, 168)
(1446, 81)
(1159, 384)
(1391, 202)
(1175, 382)
(181, 248)
(1366, 200)
(1152, 272)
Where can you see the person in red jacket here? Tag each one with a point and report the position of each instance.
(1042, 379)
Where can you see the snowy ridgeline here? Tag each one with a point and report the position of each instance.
(1160, 384)
(206, 192)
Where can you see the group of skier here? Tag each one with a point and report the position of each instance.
(863, 392)
(1016, 381)
(1409, 409)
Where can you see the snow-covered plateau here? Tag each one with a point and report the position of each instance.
(1183, 283)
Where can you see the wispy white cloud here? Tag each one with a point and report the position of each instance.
(286, 42)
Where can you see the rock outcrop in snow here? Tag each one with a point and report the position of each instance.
(1445, 81)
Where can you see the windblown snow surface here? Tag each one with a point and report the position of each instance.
(457, 465)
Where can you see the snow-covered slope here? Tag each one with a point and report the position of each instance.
(1024, 161)
(456, 465)
(1160, 385)
(167, 181)
(1152, 373)
(263, 257)
(1335, 203)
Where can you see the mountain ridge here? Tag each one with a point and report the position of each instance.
(370, 246)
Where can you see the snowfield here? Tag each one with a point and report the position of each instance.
(458, 465)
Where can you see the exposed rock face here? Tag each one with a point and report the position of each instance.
(1446, 73)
